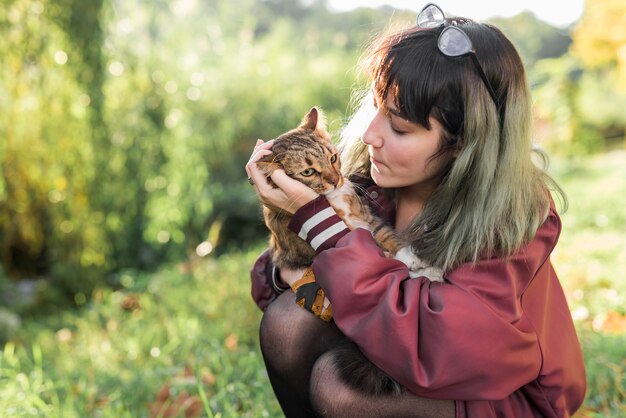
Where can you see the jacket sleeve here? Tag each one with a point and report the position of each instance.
(319, 225)
(464, 339)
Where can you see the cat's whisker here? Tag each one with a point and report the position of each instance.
(293, 200)
(363, 191)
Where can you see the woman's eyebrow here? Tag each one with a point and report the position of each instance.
(395, 112)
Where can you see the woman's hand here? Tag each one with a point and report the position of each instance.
(289, 196)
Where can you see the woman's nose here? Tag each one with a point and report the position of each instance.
(373, 133)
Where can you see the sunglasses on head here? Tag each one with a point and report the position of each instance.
(453, 41)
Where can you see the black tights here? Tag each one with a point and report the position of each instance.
(300, 356)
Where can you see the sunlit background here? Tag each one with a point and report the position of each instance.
(559, 13)
(127, 226)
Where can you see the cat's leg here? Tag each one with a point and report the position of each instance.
(394, 247)
(332, 396)
(417, 268)
(291, 340)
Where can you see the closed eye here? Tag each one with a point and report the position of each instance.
(397, 124)
(308, 172)
(397, 131)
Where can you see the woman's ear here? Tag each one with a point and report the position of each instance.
(458, 147)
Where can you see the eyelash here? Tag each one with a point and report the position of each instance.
(389, 118)
(395, 130)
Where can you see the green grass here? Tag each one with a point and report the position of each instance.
(591, 260)
(192, 329)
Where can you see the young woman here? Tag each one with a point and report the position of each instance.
(444, 145)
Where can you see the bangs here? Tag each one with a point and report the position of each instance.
(421, 80)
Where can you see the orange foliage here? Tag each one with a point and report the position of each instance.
(599, 40)
(166, 406)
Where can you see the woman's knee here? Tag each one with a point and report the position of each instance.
(274, 329)
(330, 396)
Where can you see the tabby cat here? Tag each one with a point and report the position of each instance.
(306, 154)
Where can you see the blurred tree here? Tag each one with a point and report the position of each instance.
(534, 38)
(45, 161)
(600, 44)
(125, 125)
(600, 37)
(560, 126)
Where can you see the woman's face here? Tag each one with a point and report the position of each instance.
(400, 151)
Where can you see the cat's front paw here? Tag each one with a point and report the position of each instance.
(417, 268)
(408, 257)
(433, 274)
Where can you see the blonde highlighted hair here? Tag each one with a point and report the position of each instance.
(493, 196)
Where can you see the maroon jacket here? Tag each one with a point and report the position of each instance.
(497, 337)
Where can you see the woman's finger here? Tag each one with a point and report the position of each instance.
(298, 193)
(255, 174)
(259, 154)
(286, 183)
(263, 145)
(261, 149)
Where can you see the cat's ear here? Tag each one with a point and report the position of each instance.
(314, 120)
(268, 164)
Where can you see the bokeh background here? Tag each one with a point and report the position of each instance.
(127, 227)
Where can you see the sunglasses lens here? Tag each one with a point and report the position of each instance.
(453, 42)
(431, 16)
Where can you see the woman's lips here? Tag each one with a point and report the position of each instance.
(374, 161)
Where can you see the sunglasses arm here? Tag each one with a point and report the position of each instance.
(483, 76)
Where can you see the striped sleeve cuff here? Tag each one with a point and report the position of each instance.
(318, 224)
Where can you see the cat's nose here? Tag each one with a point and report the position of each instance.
(334, 179)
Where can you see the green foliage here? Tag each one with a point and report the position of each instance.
(46, 163)
(590, 259)
(534, 39)
(606, 374)
(577, 112)
(592, 249)
(125, 126)
(192, 329)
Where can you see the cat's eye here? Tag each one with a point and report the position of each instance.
(308, 172)
(333, 159)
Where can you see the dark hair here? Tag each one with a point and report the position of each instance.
(427, 83)
(492, 197)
